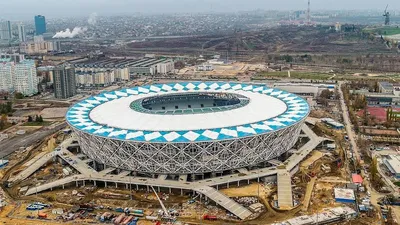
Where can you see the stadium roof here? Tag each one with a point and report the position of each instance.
(109, 114)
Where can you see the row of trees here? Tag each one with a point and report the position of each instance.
(376, 179)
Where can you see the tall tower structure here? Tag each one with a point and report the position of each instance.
(21, 33)
(5, 30)
(64, 82)
(308, 13)
(40, 25)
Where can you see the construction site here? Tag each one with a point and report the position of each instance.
(54, 181)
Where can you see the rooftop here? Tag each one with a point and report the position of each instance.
(386, 85)
(342, 193)
(394, 162)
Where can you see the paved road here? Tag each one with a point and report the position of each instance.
(350, 133)
(9, 146)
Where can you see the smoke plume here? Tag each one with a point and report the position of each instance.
(70, 34)
(92, 19)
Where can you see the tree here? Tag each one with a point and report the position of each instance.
(9, 107)
(327, 94)
(179, 65)
(30, 119)
(19, 95)
(3, 121)
(40, 119)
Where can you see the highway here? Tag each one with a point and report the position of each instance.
(8, 146)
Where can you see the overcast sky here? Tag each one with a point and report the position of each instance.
(25, 9)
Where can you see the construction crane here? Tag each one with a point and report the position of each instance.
(161, 203)
(386, 14)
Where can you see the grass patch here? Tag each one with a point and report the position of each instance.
(385, 30)
(296, 75)
(31, 124)
(397, 183)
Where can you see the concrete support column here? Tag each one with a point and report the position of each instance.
(258, 179)
(181, 192)
(126, 186)
(158, 189)
(105, 184)
(63, 186)
(238, 183)
(148, 188)
(76, 183)
(95, 183)
(217, 187)
(116, 185)
(84, 183)
(137, 187)
(170, 191)
(227, 184)
(248, 181)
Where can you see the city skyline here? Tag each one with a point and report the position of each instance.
(106, 7)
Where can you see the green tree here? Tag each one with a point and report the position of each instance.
(3, 121)
(9, 107)
(18, 95)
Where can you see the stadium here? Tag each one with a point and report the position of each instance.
(188, 127)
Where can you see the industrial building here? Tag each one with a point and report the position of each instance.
(188, 128)
(392, 162)
(344, 195)
(18, 75)
(64, 82)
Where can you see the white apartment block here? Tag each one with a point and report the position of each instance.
(19, 77)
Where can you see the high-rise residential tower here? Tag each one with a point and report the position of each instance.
(18, 76)
(5, 30)
(21, 33)
(64, 82)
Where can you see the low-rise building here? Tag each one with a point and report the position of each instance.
(105, 71)
(344, 195)
(39, 46)
(392, 162)
(332, 123)
(385, 87)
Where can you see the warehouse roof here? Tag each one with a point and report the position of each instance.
(110, 115)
